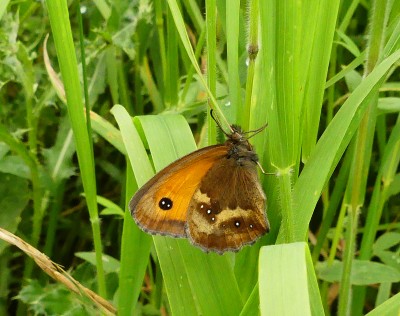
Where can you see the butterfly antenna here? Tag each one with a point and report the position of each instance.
(218, 123)
(256, 131)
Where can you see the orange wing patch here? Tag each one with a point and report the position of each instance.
(161, 205)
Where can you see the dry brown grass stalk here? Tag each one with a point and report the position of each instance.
(57, 273)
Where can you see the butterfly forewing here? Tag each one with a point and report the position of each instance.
(160, 206)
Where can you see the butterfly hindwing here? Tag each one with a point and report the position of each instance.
(227, 210)
(161, 205)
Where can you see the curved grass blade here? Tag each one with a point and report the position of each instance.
(135, 247)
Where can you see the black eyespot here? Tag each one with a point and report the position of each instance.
(165, 204)
(237, 224)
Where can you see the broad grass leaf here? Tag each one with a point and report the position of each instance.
(287, 283)
(363, 272)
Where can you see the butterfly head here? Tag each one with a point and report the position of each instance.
(237, 134)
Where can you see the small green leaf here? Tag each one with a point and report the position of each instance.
(387, 241)
(15, 165)
(54, 299)
(110, 264)
(110, 207)
(394, 186)
(123, 39)
(59, 156)
(388, 105)
(353, 79)
(363, 272)
(14, 192)
(389, 258)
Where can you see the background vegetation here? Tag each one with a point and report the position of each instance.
(322, 74)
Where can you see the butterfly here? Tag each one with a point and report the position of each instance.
(212, 196)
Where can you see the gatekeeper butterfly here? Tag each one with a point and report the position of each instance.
(212, 196)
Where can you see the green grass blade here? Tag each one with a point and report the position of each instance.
(60, 25)
(320, 36)
(287, 283)
(313, 289)
(108, 131)
(333, 207)
(180, 26)
(247, 278)
(232, 36)
(363, 142)
(3, 7)
(349, 68)
(389, 308)
(252, 52)
(252, 306)
(172, 75)
(135, 247)
(211, 37)
(282, 58)
(386, 175)
(384, 179)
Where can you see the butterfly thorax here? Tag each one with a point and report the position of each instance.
(239, 147)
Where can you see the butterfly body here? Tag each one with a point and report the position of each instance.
(212, 196)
